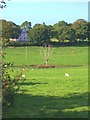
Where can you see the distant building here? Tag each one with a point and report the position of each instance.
(13, 40)
(23, 36)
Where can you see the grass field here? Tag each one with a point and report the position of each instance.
(47, 93)
(62, 55)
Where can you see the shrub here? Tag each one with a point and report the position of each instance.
(10, 85)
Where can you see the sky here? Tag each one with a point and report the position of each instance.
(48, 12)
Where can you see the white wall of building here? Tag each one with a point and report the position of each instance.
(23, 36)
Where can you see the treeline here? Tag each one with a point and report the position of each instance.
(61, 32)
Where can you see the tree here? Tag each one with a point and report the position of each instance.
(26, 25)
(67, 34)
(52, 31)
(81, 27)
(59, 28)
(9, 30)
(39, 34)
(46, 53)
(64, 31)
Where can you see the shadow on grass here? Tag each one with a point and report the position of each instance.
(71, 106)
(31, 83)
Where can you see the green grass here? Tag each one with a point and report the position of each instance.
(47, 93)
(61, 56)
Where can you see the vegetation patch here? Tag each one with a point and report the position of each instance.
(61, 91)
(48, 93)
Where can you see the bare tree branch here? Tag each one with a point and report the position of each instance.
(46, 53)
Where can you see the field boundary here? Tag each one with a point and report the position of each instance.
(48, 66)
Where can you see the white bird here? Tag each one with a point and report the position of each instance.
(66, 75)
(32, 69)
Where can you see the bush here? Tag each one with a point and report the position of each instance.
(10, 85)
(7, 87)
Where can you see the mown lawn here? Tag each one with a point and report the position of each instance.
(47, 93)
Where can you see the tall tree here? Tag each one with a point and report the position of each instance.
(81, 27)
(26, 25)
(59, 27)
(67, 34)
(64, 31)
(39, 34)
(9, 30)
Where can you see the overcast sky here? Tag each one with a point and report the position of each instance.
(48, 12)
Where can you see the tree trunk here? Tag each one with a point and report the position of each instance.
(46, 62)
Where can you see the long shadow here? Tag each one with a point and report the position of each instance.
(71, 106)
(31, 83)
